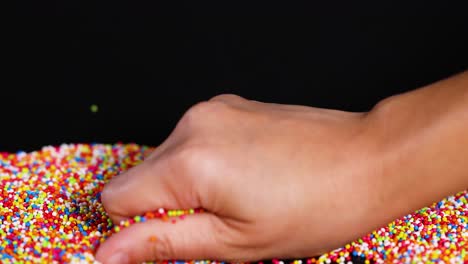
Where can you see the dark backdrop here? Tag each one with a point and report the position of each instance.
(145, 63)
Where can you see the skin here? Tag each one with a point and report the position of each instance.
(287, 181)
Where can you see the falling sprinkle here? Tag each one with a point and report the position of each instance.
(94, 108)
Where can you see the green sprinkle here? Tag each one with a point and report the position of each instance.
(94, 108)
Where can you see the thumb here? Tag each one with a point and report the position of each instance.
(156, 240)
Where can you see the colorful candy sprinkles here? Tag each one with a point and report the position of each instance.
(50, 212)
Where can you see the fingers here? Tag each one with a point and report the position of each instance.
(155, 183)
(171, 177)
(177, 174)
(191, 238)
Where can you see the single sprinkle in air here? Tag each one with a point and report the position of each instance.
(94, 108)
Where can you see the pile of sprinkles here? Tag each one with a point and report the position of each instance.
(50, 211)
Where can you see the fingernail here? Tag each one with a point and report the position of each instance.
(118, 258)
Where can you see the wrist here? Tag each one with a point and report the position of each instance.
(386, 138)
(419, 140)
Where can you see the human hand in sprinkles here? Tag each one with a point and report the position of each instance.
(285, 181)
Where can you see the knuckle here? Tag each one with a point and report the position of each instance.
(201, 112)
(206, 107)
(227, 97)
(193, 114)
(198, 112)
(200, 108)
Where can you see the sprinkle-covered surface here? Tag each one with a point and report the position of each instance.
(50, 211)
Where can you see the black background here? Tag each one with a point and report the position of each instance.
(145, 63)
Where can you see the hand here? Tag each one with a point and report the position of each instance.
(276, 181)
